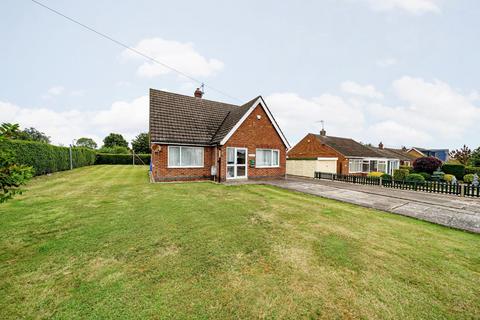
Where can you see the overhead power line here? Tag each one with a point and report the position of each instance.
(105, 36)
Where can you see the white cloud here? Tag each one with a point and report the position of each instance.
(354, 88)
(128, 118)
(387, 62)
(56, 90)
(181, 56)
(416, 7)
(430, 114)
(297, 115)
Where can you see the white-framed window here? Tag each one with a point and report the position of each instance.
(382, 166)
(266, 158)
(185, 157)
(355, 165)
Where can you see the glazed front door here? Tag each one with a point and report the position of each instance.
(236, 163)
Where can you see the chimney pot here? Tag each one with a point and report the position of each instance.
(380, 145)
(323, 133)
(198, 93)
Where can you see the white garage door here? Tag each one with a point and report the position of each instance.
(307, 168)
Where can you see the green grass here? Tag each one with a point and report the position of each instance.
(101, 242)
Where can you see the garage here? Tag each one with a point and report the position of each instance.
(307, 167)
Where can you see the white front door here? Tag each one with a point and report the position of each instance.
(236, 163)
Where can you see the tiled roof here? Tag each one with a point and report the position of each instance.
(393, 153)
(348, 147)
(176, 118)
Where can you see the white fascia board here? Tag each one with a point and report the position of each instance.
(245, 116)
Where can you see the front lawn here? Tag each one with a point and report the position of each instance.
(102, 242)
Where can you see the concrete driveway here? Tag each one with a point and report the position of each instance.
(452, 211)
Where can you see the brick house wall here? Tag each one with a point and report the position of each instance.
(256, 133)
(310, 147)
(161, 172)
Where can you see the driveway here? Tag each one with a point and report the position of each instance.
(452, 211)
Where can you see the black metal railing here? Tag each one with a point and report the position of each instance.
(467, 190)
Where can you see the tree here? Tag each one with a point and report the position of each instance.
(9, 130)
(33, 134)
(141, 143)
(115, 139)
(12, 175)
(475, 158)
(86, 143)
(426, 164)
(461, 155)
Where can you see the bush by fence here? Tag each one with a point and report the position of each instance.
(472, 170)
(400, 174)
(106, 158)
(458, 170)
(46, 158)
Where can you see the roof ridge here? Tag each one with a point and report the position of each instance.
(191, 97)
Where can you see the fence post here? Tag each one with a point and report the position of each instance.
(380, 182)
(462, 190)
(71, 160)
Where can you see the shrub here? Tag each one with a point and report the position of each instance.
(448, 177)
(425, 175)
(415, 177)
(400, 174)
(375, 174)
(409, 168)
(437, 176)
(12, 176)
(426, 164)
(472, 170)
(386, 177)
(105, 158)
(458, 170)
(46, 158)
(468, 178)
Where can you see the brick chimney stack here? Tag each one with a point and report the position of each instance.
(323, 133)
(198, 93)
(380, 145)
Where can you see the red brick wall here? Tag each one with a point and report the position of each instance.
(310, 147)
(252, 134)
(161, 172)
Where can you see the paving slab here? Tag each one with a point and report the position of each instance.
(448, 210)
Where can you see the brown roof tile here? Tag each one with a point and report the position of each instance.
(176, 118)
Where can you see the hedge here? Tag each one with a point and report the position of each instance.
(109, 158)
(46, 158)
(458, 170)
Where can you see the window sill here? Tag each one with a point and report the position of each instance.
(185, 167)
(266, 167)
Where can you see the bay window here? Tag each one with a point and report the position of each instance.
(185, 157)
(267, 158)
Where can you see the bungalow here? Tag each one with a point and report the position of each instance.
(441, 154)
(197, 139)
(338, 155)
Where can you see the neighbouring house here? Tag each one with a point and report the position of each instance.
(440, 154)
(319, 152)
(405, 158)
(197, 139)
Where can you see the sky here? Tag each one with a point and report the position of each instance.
(401, 72)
